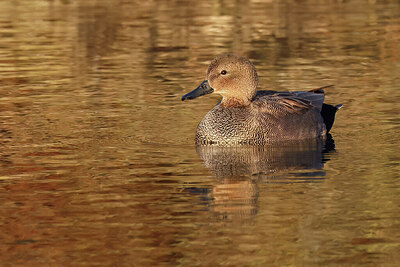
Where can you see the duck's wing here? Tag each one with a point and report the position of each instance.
(264, 93)
(280, 103)
(314, 98)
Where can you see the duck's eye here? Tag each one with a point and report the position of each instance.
(223, 72)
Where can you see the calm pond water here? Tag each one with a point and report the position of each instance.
(98, 162)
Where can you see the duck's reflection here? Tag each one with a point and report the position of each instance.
(239, 169)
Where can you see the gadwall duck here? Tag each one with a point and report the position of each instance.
(247, 116)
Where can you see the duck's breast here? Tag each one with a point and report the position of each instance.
(228, 125)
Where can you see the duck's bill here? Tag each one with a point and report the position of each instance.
(203, 89)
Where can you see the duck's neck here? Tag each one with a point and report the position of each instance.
(235, 102)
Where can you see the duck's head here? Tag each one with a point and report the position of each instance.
(234, 78)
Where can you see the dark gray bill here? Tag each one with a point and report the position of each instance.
(203, 89)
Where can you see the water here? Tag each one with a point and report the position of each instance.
(98, 162)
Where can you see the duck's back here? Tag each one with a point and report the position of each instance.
(271, 116)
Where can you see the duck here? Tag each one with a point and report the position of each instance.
(248, 116)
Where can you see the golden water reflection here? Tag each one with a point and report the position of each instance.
(239, 170)
(98, 165)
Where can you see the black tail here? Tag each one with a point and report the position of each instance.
(328, 114)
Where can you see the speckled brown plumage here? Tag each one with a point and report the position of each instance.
(248, 116)
(268, 118)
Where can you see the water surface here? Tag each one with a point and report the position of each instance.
(98, 162)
